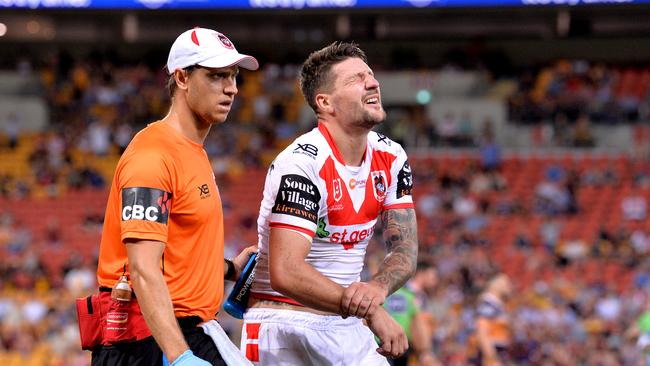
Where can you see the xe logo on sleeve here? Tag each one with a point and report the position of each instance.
(383, 139)
(306, 149)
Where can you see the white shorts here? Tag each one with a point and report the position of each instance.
(289, 337)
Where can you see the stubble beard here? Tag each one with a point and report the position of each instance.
(369, 120)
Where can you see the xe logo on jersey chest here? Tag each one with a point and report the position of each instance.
(204, 191)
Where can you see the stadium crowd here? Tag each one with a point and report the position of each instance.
(571, 232)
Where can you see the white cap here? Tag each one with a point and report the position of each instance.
(206, 47)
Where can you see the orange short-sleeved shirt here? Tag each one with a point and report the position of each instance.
(164, 189)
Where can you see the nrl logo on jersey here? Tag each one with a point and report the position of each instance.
(379, 184)
(337, 188)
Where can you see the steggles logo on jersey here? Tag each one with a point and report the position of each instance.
(353, 183)
(306, 149)
(338, 189)
(404, 181)
(297, 196)
(379, 184)
(143, 203)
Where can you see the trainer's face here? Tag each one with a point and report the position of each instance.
(356, 98)
(211, 92)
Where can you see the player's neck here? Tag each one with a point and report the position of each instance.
(351, 142)
(186, 123)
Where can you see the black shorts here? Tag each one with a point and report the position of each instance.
(402, 360)
(147, 353)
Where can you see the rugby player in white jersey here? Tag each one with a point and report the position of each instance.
(322, 198)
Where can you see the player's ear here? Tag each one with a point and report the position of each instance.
(324, 103)
(182, 77)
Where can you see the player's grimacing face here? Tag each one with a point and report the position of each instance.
(356, 94)
(211, 92)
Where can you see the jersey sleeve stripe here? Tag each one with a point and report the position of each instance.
(292, 227)
(399, 205)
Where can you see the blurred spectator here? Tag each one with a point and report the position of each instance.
(582, 135)
(122, 136)
(634, 207)
(448, 129)
(608, 307)
(490, 150)
(572, 185)
(551, 198)
(493, 328)
(98, 138)
(549, 232)
(11, 130)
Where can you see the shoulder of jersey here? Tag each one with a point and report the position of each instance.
(147, 143)
(308, 148)
(381, 142)
(149, 134)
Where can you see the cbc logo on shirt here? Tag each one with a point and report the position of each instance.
(147, 204)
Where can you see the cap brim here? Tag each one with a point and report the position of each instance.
(245, 61)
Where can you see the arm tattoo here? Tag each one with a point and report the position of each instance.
(401, 238)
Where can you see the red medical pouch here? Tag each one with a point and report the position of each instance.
(89, 317)
(106, 321)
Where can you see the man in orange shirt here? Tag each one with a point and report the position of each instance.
(164, 222)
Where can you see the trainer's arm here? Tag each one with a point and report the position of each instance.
(153, 296)
(295, 278)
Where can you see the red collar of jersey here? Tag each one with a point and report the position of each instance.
(335, 150)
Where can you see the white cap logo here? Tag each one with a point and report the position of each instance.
(208, 48)
(225, 41)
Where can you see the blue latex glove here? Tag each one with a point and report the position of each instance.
(186, 359)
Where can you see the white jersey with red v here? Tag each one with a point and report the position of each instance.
(310, 190)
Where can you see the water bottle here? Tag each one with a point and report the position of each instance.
(117, 317)
(237, 300)
(122, 290)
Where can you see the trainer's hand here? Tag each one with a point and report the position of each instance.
(362, 299)
(242, 258)
(187, 358)
(391, 335)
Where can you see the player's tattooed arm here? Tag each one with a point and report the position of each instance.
(401, 239)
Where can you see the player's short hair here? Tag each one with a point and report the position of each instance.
(315, 72)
